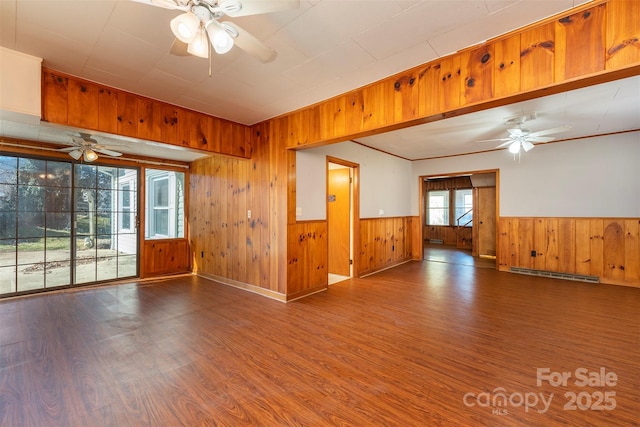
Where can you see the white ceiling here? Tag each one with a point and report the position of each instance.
(325, 48)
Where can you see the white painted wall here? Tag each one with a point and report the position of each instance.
(20, 86)
(385, 181)
(595, 177)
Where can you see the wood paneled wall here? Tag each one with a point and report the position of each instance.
(71, 101)
(589, 45)
(584, 47)
(225, 242)
(608, 248)
(308, 259)
(162, 257)
(449, 235)
(385, 242)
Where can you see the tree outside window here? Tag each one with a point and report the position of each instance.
(438, 207)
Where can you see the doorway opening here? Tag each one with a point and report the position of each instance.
(459, 212)
(342, 219)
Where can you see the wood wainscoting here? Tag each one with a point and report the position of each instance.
(385, 242)
(608, 248)
(450, 235)
(307, 258)
(162, 257)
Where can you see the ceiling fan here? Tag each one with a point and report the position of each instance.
(523, 139)
(87, 148)
(199, 27)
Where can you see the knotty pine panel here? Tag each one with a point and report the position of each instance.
(385, 242)
(333, 117)
(608, 248)
(555, 53)
(376, 113)
(537, 54)
(622, 33)
(225, 242)
(169, 126)
(307, 257)
(477, 73)
(507, 67)
(354, 111)
(406, 96)
(71, 101)
(450, 83)
(55, 89)
(127, 114)
(84, 112)
(161, 257)
(574, 57)
(448, 235)
(108, 110)
(149, 114)
(429, 84)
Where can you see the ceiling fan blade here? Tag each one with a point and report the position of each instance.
(550, 131)
(504, 144)
(108, 152)
(526, 145)
(179, 48)
(250, 44)
(495, 140)
(540, 138)
(515, 132)
(165, 4)
(76, 154)
(67, 149)
(256, 7)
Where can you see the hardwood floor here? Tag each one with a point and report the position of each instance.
(422, 344)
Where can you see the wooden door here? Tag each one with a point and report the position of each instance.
(486, 207)
(338, 213)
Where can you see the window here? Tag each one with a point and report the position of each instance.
(464, 207)
(450, 207)
(165, 204)
(438, 208)
(126, 214)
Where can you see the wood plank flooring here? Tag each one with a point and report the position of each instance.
(422, 344)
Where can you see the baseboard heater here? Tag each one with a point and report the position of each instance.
(438, 241)
(556, 275)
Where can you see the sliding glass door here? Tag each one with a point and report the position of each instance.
(64, 224)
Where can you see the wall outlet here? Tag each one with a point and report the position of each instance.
(381, 212)
(298, 211)
(249, 213)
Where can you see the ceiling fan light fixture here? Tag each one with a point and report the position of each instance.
(221, 41)
(514, 147)
(90, 155)
(185, 27)
(199, 46)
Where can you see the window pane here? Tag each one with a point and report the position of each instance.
(7, 224)
(32, 172)
(464, 207)
(161, 221)
(58, 174)
(8, 170)
(30, 198)
(8, 198)
(161, 193)
(165, 204)
(438, 208)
